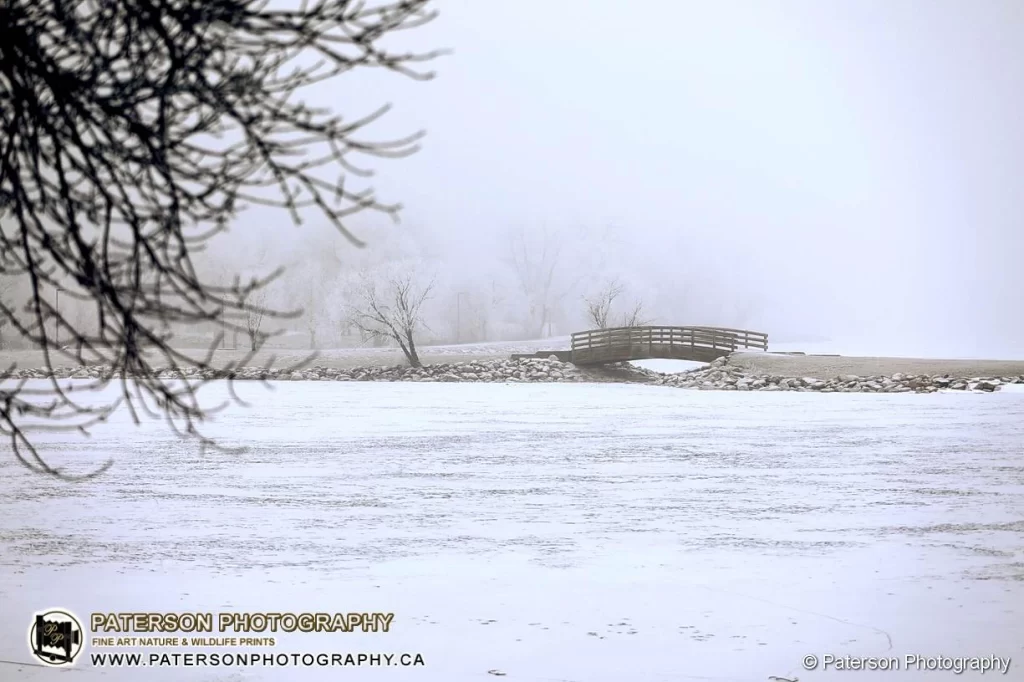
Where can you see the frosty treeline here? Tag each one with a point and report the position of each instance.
(544, 282)
(531, 282)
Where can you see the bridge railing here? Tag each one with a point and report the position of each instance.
(603, 342)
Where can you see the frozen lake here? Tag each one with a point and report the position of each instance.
(551, 532)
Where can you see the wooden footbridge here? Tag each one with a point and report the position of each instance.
(700, 344)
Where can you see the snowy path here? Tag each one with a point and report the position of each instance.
(552, 532)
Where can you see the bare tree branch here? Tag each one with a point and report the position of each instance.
(137, 130)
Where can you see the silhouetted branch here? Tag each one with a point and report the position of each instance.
(137, 130)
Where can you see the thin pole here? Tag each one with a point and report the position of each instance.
(56, 322)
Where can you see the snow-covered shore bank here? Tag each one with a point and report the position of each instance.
(728, 374)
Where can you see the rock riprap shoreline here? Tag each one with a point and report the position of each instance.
(722, 376)
(719, 375)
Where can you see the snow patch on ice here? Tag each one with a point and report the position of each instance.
(668, 366)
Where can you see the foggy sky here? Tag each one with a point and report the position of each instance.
(855, 166)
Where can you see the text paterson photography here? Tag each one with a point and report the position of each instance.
(240, 622)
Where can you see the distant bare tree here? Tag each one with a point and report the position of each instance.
(134, 131)
(392, 309)
(6, 287)
(255, 308)
(635, 317)
(537, 264)
(496, 302)
(599, 306)
(474, 317)
(312, 325)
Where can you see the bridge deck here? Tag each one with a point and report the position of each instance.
(700, 344)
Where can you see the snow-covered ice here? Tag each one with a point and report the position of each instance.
(569, 532)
